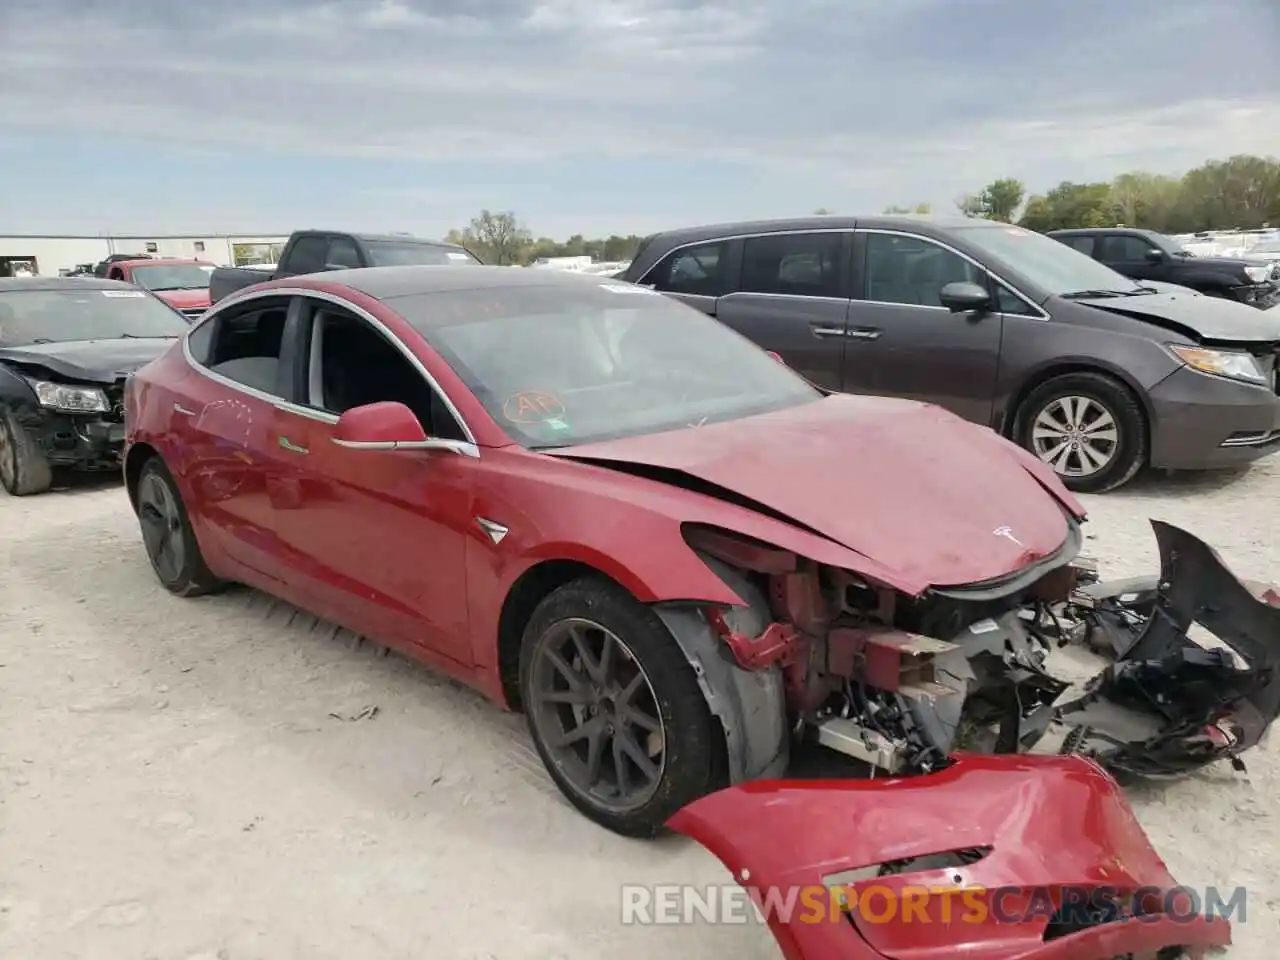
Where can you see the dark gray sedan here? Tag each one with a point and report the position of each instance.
(1094, 373)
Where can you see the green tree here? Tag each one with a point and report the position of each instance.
(1070, 205)
(998, 200)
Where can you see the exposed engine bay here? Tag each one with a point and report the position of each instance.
(903, 682)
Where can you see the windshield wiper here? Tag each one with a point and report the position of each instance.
(1093, 294)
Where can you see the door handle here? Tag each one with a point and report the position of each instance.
(286, 444)
(179, 408)
(864, 333)
(819, 330)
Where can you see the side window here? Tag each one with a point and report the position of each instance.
(342, 253)
(243, 343)
(353, 364)
(912, 270)
(199, 340)
(798, 264)
(1009, 302)
(696, 270)
(1125, 249)
(307, 254)
(1083, 244)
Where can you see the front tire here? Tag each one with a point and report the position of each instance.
(167, 534)
(1088, 427)
(24, 470)
(614, 708)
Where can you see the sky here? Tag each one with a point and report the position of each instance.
(602, 116)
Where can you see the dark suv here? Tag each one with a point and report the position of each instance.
(1147, 255)
(1093, 373)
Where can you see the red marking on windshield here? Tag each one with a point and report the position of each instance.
(533, 406)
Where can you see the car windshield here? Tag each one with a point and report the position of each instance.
(173, 276)
(53, 316)
(1048, 263)
(565, 364)
(394, 253)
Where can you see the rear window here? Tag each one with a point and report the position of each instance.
(390, 253)
(54, 316)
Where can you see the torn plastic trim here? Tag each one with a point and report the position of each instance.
(750, 704)
(1169, 705)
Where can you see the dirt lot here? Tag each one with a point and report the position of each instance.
(182, 779)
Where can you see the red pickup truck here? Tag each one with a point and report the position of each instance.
(183, 284)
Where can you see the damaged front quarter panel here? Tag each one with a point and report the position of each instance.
(1035, 858)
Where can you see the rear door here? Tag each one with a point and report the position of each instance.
(223, 416)
(790, 295)
(902, 342)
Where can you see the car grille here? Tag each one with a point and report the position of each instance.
(115, 400)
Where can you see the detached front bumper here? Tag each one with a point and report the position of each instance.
(1201, 422)
(77, 442)
(1038, 858)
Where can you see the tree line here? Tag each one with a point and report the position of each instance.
(1242, 191)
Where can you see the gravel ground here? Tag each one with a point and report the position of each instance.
(174, 782)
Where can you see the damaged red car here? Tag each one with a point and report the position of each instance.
(675, 555)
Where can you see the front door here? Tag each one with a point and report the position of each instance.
(1127, 254)
(900, 341)
(379, 533)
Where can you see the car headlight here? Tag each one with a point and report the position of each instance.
(1233, 364)
(1259, 274)
(69, 399)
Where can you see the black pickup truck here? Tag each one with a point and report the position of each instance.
(1147, 255)
(315, 251)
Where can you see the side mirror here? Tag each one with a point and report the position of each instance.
(380, 426)
(1153, 255)
(963, 297)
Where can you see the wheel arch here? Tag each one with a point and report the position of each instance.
(139, 453)
(1069, 365)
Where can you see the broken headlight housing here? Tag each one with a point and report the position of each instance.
(66, 398)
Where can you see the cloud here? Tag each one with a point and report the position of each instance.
(868, 100)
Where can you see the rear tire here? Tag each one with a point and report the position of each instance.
(1099, 415)
(168, 537)
(24, 470)
(565, 690)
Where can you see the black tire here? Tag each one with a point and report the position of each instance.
(1128, 454)
(24, 470)
(182, 572)
(688, 770)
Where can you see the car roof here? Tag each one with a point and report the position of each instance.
(1080, 231)
(657, 245)
(387, 283)
(160, 262)
(383, 237)
(14, 284)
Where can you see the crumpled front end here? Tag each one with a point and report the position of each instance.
(1170, 704)
(1038, 858)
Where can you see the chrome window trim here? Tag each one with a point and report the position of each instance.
(468, 447)
(1040, 313)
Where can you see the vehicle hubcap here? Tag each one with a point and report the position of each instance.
(596, 713)
(161, 528)
(1077, 436)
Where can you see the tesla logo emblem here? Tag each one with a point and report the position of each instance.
(1007, 533)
